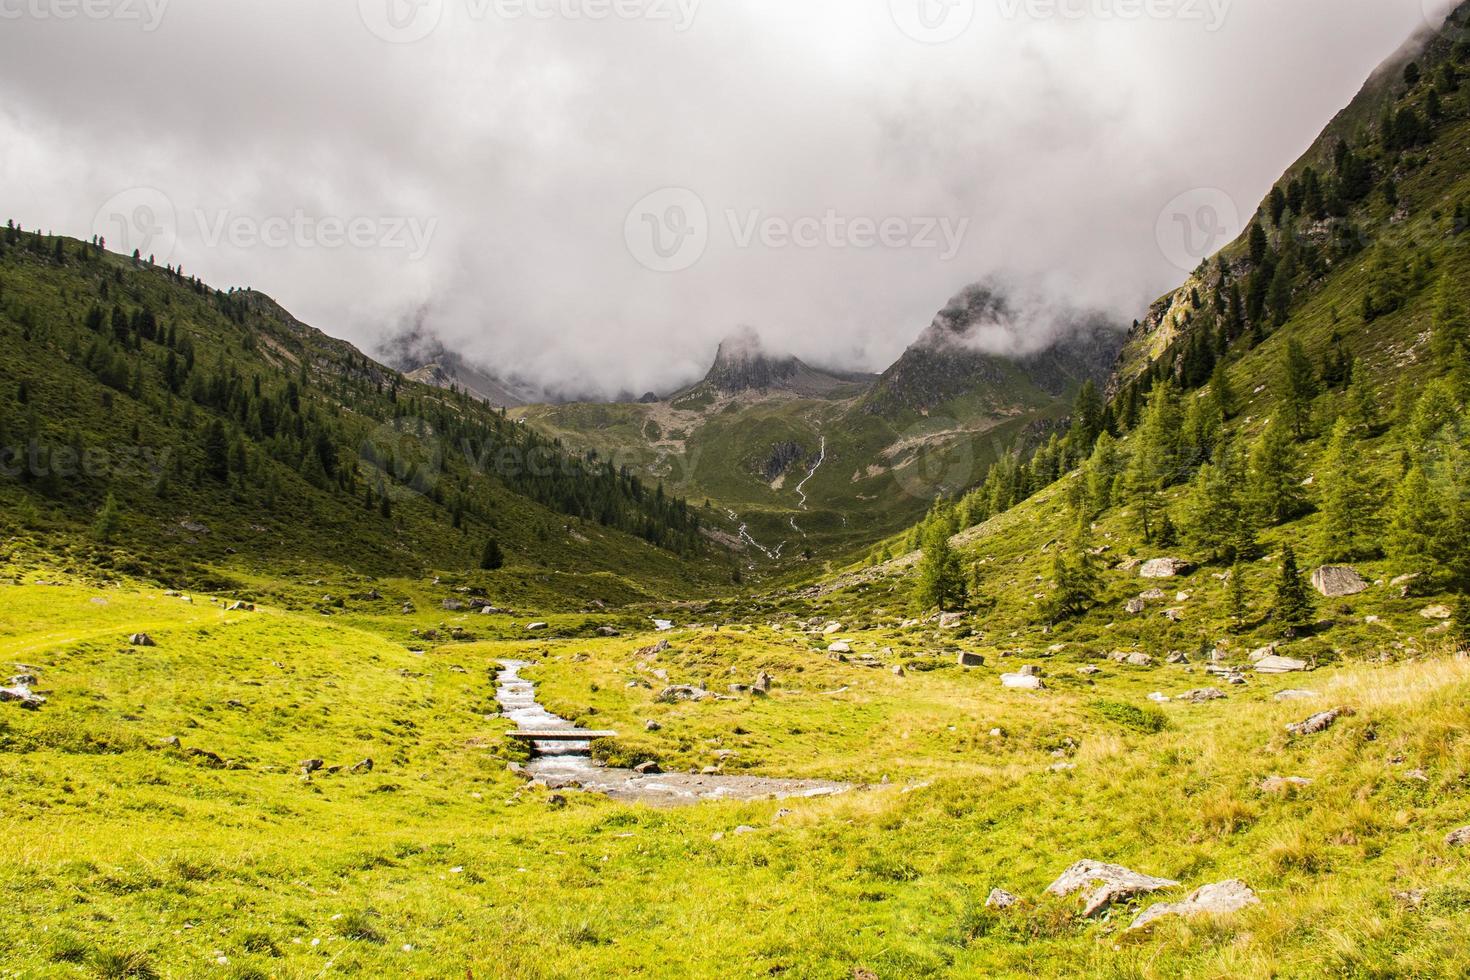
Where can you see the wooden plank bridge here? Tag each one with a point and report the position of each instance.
(567, 735)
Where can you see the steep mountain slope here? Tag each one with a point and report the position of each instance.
(742, 364)
(1306, 389)
(230, 435)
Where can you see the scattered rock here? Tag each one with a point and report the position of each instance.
(682, 692)
(240, 607)
(453, 605)
(1177, 657)
(1296, 695)
(1164, 568)
(1283, 785)
(1022, 682)
(1136, 607)
(141, 640)
(537, 627)
(1031, 670)
(1158, 697)
(1112, 882)
(970, 660)
(648, 653)
(1202, 696)
(22, 695)
(1088, 670)
(898, 671)
(647, 769)
(1320, 722)
(950, 621)
(763, 683)
(1153, 595)
(1222, 898)
(1133, 659)
(309, 766)
(1405, 584)
(1174, 615)
(841, 646)
(652, 726)
(1458, 838)
(1337, 581)
(831, 628)
(366, 765)
(606, 631)
(1281, 665)
(1436, 612)
(1000, 899)
(171, 742)
(1263, 653)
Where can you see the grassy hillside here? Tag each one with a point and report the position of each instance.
(234, 439)
(439, 861)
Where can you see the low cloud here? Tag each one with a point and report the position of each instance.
(493, 165)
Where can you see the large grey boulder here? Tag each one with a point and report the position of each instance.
(1108, 883)
(967, 659)
(1280, 665)
(1022, 682)
(1164, 568)
(1337, 581)
(1221, 898)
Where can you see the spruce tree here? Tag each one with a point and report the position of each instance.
(491, 558)
(109, 520)
(1215, 518)
(940, 579)
(1349, 508)
(1415, 515)
(1239, 608)
(1259, 243)
(1301, 388)
(1275, 476)
(1294, 609)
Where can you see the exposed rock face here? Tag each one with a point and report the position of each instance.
(1222, 898)
(1164, 568)
(1109, 883)
(1336, 581)
(783, 455)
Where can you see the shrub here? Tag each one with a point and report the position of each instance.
(1144, 720)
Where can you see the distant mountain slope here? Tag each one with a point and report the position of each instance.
(1061, 349)
(742, 364)
(229, 433)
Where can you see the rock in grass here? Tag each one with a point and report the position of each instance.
(841, 646)
(1133, 659)
(1221, 898)
(1281, 665)
(366, 765)
(1000, 899)
(1337, 581)
(966, 659)
(1164, 568)
(1202, 696)
(1022, 682)
(1436, 612)
(1283, 785)
(1320, 722)
(141, 640)
(1458, 838)
(21, 694)
(647, 768)
(1108, 883)
(682, 692)
(309, 766)
(536, 627)
(1136, 607)
(1295, 695)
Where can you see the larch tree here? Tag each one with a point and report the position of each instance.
(1349, 504)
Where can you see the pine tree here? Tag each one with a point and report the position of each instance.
(1434, 410)
(1222, 393)
(1415, 514)
(1349, 518)
(1259, 243)
(1301, 388)
(109, 520)
(1076, 579)
(1294, 609)
(217, 451)
(1362, 410)
(1276, 492)
(940, 579)
(1451, 328)
(1215, 518)
(491, 558)
(1239, 607)
(1087, 417)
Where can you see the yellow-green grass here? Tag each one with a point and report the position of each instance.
(117, 847)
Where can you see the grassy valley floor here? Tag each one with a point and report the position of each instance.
(125, 855)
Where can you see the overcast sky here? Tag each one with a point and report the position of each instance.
(594, 201)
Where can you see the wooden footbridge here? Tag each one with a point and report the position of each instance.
(564, 735)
